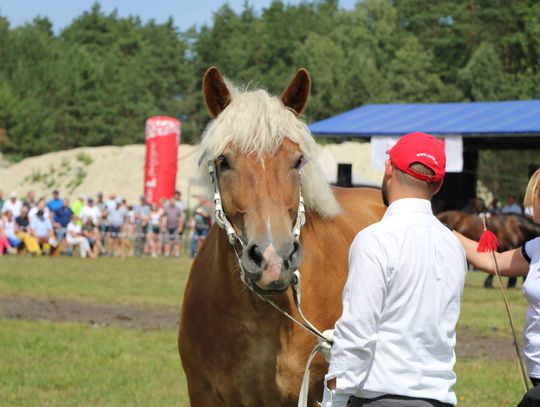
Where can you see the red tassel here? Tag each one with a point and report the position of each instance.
(488, 242)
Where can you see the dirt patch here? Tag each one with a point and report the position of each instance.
(34, 309)
(470, 344)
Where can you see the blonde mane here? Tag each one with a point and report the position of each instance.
(257, 123)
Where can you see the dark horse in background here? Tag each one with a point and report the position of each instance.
(512, 231)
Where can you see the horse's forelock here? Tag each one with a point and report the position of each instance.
(257, 123)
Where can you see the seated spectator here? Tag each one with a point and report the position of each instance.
(42, 230)
(54, 203)
(41, 205)
(74, 237)
(512, 206)
(12, 204)
(1, 200)
(24, 232)
(4, 242)
(62, 217)
(10, 229)
(91, 232)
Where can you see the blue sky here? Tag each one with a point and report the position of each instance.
(184, 12)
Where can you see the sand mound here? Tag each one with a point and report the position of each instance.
(120, 170)
(4, 163)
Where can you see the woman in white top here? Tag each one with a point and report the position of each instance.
(75, 237)
(522, 261)
(154, 229)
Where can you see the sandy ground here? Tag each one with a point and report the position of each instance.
(469, 344)
(120, 170)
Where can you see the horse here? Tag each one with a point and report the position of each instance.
(512, 231)
(235, 348)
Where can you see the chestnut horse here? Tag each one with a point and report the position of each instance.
(235, 348)
(512, 231)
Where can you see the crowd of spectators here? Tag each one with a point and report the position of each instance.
(100, 227)
(512, 207)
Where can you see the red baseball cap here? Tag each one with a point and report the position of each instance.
(421, 148)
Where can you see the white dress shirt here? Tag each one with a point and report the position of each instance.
(400, 308)
(531, 290)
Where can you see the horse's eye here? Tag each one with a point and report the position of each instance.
(223, 163)
(299, 163)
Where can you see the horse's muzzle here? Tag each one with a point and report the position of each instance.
(268, 270)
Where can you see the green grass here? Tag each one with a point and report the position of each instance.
(484, 383)
(483, 310)
(144, 281)
(71, 364)
(44, 364)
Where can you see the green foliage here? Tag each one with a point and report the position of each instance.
(84, 158)
(97, 81)
(504, 172)
(77, 180)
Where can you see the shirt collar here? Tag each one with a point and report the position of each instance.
(409, 205)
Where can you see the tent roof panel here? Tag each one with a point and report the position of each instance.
(467, 118)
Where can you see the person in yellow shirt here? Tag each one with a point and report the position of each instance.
(23, 232)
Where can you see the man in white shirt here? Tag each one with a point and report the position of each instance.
(90, 211)
(12, 204)
(394, 342)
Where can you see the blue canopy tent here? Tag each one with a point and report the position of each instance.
(482, 125)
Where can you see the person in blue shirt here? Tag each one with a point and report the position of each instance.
(62, 217)
(42, 229)
(55, 203)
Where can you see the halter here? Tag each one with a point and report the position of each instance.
(238, 244)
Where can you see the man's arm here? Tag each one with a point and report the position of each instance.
(356, 330)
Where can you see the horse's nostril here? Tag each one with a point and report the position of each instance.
(295, 257)
(256, 255)
(296, 247)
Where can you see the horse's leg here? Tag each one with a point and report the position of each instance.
(201, 392)
(205, 398)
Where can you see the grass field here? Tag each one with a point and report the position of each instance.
(80, 364)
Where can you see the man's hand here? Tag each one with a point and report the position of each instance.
(331, 384)
(326, 346)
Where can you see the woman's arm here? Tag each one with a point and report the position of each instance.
(511, 262)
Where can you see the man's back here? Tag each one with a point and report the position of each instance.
(422, 272)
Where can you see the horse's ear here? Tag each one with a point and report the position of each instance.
(296, 95)
(216, 93)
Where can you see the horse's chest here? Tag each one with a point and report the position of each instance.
(250, 366)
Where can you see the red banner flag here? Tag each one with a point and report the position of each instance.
(162, 140)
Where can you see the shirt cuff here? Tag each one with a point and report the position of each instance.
(331, 399)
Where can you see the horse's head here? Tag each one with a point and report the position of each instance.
(259, 148)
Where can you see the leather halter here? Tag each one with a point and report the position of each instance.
(239, 244)
(236, 241)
